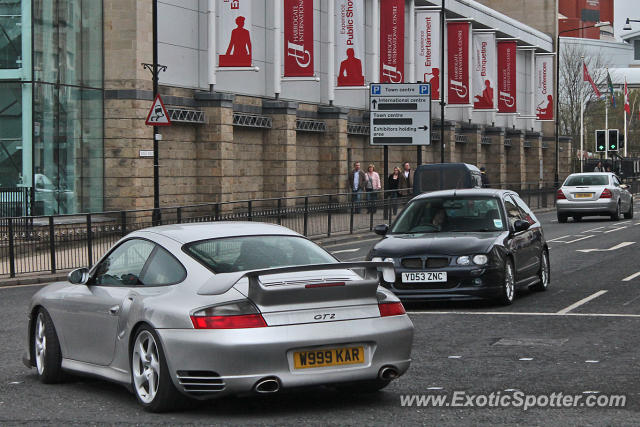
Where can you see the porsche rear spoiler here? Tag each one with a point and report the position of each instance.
(276, 294)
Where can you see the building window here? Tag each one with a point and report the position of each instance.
(11, 135)
(636, 47)
(10, 34)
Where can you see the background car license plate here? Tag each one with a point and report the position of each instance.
(328, 357)
(583, 195)
(424, 276)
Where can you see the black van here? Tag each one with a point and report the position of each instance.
(445, 176)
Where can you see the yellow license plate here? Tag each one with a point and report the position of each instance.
(328, 357)
(583, 195)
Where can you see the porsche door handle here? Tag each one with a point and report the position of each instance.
(115, 310)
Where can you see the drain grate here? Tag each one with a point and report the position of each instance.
(532, 342)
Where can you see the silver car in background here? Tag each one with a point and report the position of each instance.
(593, 194)
(211, 309)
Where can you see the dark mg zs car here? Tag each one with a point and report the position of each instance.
(464, 244)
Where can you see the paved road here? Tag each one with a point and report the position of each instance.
(580, 337)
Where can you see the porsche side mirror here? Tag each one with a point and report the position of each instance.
(521, 225)
(624, 186)
(381, 229)
(79, 276)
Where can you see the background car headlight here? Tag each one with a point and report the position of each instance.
(380, 259)
(463, 260)
(480, 259)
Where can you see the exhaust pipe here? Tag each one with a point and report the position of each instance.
(388, 373)
(267, 385)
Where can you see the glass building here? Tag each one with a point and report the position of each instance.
(51, 103)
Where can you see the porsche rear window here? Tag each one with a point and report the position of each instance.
(576, 180)
(255, 252)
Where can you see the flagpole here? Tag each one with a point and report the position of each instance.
(606, 126)
(582, 124)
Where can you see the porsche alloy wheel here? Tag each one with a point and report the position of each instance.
(46, 349)
(145, 367)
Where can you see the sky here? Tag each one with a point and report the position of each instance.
(622, 10)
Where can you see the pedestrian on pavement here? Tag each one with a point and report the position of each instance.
(599, 167)
(608, 168)
(372, 186)
(406, 180)
(484, 177)
(393, 183)
(356, 185)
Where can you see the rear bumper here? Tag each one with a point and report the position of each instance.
(242, 357)
(463, 283)
(593, 207)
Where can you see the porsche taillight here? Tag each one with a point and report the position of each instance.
(560, 195)
(606, 194)
(391, 309)
(234, 315)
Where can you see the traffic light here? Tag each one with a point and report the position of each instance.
(613, 139)
(601, 141)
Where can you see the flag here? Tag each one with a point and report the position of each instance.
(610, 84)
(587, 78)
(627, 108)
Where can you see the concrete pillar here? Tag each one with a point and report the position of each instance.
(334, 150)
(515, 157)
(566, 157)
(533, 150)
(214, 146)
(279, 149)
(493, 156)
(469, 151)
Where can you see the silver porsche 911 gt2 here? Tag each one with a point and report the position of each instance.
(212, 309)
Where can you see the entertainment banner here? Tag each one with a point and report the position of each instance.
(298, 38)
(428, 49)
(392, 41)
(349, 25)
(235, 33)
(458, 62)
(507, 76)
(484, 70)
(543, 87)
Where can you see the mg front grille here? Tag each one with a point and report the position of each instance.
(437, 262)
(415, 263)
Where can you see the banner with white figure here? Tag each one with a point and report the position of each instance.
(484, 70)
(428, 49)
(349, 27)
(235, 33)
(543, 87)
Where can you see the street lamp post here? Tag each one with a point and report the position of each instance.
(627, 25)
(556, 176)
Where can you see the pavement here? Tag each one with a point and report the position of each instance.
(578, 338)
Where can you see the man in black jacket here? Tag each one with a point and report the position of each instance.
(356, 185)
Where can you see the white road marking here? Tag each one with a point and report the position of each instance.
(454, 357)
(526, 359)
(558, 238)
(578, 239)
(615, 229)
(590, 392)
(591, 361)
(613, 248)
(516, 313)
(346, 250)
(434, 388)
(595, 230)
(633, 276)
(581, 302)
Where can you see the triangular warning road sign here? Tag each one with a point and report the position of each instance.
(158, 115)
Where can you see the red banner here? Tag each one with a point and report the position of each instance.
(392, 41)
(298, 38)
(458, 62)
(235, 33)
(507, 76)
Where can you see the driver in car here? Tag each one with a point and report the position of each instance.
(439, 218)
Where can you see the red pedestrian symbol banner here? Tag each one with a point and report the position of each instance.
(484, 70)
(458, 34)
(349, 25)
(507, 76)
(158, 115)
(235, 33)
(543, 87)
(427, 42)
(298, 38)
(392, 41)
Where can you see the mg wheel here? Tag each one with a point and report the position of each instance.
(509, 284)
(544, 273)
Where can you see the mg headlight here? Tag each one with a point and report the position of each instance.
(463, 260)
(480, 259)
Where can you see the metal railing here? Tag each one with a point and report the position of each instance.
(15, 201)
(63, 242)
